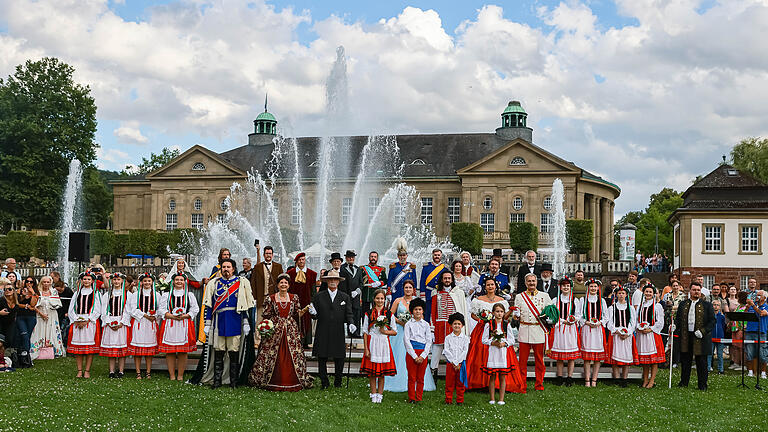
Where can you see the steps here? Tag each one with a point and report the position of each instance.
(158, 363)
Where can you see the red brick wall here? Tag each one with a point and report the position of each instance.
(723, 274)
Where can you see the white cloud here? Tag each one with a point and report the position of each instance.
(680, 86)
(111, 159)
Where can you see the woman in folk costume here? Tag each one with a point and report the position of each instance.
(650, 348)
(85, 332)
(47, 331)
(477, 356)
(143, 308)
(178, 307)
(280, 364)
(594, 317)
(500, 358)
(621, 342)
(378, 361)
(115, 322)
(462, 297)
(564, 336)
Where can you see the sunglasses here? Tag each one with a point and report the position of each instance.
(29, 281)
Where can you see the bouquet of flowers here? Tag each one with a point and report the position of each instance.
(642, 326)
(266, 328)
(114, 324)
(151, 312)
(178, 311)
(498, 335)
(382, 322)
(404, 316)
(485, 315)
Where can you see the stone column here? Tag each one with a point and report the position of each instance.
(605, 224)
(595, 215)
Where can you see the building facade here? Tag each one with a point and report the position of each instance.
(719, 232)
(486, 178)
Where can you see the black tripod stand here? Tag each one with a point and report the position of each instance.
(750, 317)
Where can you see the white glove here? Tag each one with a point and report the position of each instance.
(516, 313)
(206, 330)
(312, 310)
(698, 334)
(246, 327)
(506, 297)
(352, 328)
(356, 293)
(672, 327)
(479, 290)
(389, 299)
(376, 284)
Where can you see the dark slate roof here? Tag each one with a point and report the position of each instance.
(726, 188)
(438, 151)
(726, 176)
(727, 204)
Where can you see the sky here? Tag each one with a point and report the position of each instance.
(645, 93)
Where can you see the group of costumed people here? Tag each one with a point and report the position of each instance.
(255, 326)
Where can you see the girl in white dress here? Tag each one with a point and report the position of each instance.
(481, 314)
(115, 321)
(594, 317)
(650, 348)
(84, 332)
(621, 342)
(378, 361)
(47, 331)
(498, 336)
(143, 308)
(179, 308)
(564, 337)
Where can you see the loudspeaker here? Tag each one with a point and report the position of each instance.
(79, 246)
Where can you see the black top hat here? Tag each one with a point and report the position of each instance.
(335, 256)
(497, 252)
(350, 254)
(547, 267)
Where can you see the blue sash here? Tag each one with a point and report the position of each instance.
(418, 345)
(463, 374)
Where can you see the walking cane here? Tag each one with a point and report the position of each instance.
(671, 352)
(349, 359)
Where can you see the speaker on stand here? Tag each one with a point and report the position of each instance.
(79, 248)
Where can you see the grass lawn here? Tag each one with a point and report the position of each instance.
(48, 397)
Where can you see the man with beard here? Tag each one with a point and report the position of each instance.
(547, 283)
(374, 277)
(502, 280)
(352, 285)
(529, 266)
(579, 284)
(263, 278)
(430, 279)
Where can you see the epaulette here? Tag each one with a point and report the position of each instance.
(393, 265)
(413, 266)
(426, 264)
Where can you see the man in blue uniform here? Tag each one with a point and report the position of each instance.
(430, 280)
(399, 272)
(501, 278)
(227, 309)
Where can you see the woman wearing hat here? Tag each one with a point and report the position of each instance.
(281, 364)
(143, 308)
(621, 341)
(594, 318)
(564, 337)
(178, 307)
(650, 348)
(85, 332)
(115, 320)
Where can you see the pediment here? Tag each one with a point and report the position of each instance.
(197, 162)
(519, 156)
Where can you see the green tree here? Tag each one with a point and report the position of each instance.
(155, 161)
(751, 155)
(578, 235)
(46, 120)
(523, 236)
(98, 199)
(21, 245)
(467, 236)
(660, 207)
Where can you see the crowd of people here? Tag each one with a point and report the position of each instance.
(254, 325)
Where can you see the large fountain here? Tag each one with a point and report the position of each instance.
(382, 206)
(70, 218)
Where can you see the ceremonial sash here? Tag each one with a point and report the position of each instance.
(436, 271)
(406, 269)
(372, 277)
(534, 309)
(222, 298)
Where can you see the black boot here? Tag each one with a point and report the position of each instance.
(623, 383)
(218, 368)
(568, 381)
(234, 369)
(559, 380)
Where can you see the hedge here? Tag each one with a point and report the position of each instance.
(579, 235)
(21, 245)
(467, 236)
(523, 236)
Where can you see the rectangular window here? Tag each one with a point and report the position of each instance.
(346, 210)
(517, 217)
(197, 220)
(713, 238)
(744, 282)
(750, 238)
(221, 218)
(399, 213)
(709, 280)
(426, 211)
(295, 211)
(546, 223)
(677, 240)
(487, 222)
(373, 204)
(171, 221)
(454, 209)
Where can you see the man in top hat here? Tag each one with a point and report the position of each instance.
(303, 285)
(430, 280)
(374, 277)
(504, 268)
(529, 266)
(352, 285)
(399, 272)
(332, 309)
(263, 278)
(547, 283)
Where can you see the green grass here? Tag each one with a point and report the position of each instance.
(48, 397)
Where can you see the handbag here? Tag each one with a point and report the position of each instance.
(45, 353)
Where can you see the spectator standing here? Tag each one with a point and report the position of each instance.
(8, 310)
(757, 331)
(10, 265)
(26, 319)
(47, 332)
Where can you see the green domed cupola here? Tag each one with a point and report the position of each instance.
(265, 123)
(514, 123)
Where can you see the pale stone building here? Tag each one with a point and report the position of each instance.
(486, 178)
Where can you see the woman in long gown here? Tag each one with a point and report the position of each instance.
(399, 382)
(280, 364)
(477, 356)
(621, 341)
(47, 331)
(468, 286)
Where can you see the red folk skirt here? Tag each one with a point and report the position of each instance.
(373, 369)
(657, 357)
(92, 348)
(561, 355)
(477, 359)
(189, 346)
(610, 360)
